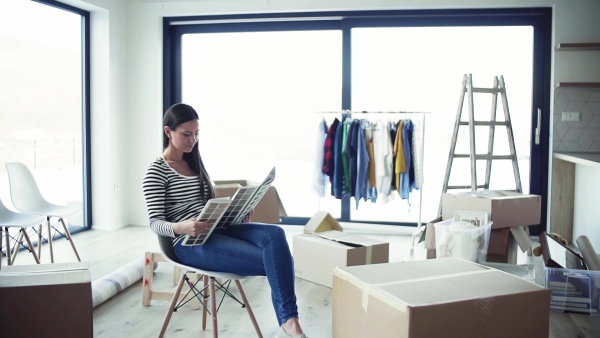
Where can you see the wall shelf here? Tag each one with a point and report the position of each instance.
(578, 46)
(578, 85)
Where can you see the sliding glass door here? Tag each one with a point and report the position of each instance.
(263, 86)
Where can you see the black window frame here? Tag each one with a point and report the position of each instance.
(540, 18)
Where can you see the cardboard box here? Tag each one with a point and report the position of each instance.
(446, 297)
(268, 210)
(505, 208)
(502, 247)
(324, 246)
(46, 300)
(574, 290)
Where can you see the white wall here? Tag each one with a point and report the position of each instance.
(108, 115)
(125, 129)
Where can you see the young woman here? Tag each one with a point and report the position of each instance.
(177, 186)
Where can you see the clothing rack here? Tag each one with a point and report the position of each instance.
(420, 226)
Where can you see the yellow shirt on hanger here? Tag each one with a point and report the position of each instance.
(400, 164)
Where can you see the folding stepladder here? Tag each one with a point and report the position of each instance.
(468, 90)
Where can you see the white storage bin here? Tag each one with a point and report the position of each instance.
(467, 243)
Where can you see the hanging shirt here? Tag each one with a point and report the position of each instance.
(371, 191)
(345, 157)
(351, 149)
(319, 178)
(384, 167)
(362, 162)
(416, 152)
(337, 187)
(393, 133)
(328, 164)
(400, 163)
(406, 178)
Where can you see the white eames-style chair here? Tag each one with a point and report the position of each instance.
(210, 284)
(27, 198)
(22, 222)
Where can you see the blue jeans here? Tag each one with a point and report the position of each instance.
(250, 249)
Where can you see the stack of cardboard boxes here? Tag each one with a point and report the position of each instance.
(510, 213)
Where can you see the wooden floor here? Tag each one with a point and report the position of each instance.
(124, 316)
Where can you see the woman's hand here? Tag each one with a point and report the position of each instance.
(190, 227)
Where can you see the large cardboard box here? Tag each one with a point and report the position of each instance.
(46, 300)
(506, 208)
(324, 245)
(446, 297)
(268, 210)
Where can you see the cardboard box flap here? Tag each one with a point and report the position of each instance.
(322, 221)
(320, 240)
(44, 267)
(496, 194)
(522, 238)
(45, 274)
(346, 238)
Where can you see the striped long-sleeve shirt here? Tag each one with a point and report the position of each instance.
(170, 197)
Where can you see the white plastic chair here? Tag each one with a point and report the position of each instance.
(10, 219)
(167, 250)
(26, 198)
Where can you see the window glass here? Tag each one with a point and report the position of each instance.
(421, 69)
(41, 106)
(258, 95)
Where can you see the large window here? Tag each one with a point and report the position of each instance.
(260, 86)
(43, 110)
(250, 89)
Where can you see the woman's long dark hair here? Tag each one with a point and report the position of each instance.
(174, 116)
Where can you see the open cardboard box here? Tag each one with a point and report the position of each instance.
(268, 210)
(446, 297)
(324, 245)
(46, 300)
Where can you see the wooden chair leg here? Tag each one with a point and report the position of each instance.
(213, 308)
(248, 308)
(18, 245)
(205, 301)
(147, 278)
(40, 241)
(1, 235)
(172, 306)
(7, 240)
(31, 249)
(50, 239)
(69, 238)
